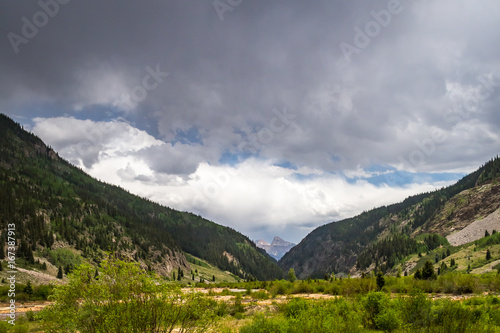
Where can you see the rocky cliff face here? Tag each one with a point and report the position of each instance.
(470, 209)
(277, 248)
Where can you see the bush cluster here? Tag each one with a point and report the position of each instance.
(124, 298)
(377, 311)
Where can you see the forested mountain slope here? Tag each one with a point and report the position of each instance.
(383, 237)
(56, 205)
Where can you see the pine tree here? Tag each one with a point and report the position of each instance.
(28, 289)
(60, 273)
(44, 266)
(488, 254)
(213, 278)
(486, 233)
(428, 272)
(380, 280)
(418, 274)
(443, 268)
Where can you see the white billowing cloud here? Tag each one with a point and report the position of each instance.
(252, 195)
(259, 195)
(85, 142)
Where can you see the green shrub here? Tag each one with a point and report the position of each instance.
(295, 307)
(453, 317)
(416, 309)
(388, 320)
(373, 304)
(21, 328)
(4, 326)
(123, 298)
(261, 294)
(30, 315)
(260, 324)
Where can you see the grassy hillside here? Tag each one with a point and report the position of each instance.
(56, 205)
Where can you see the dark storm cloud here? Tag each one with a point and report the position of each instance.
(411, 84)
(228, 76)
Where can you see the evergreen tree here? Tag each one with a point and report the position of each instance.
(28, 289)
(452, 262)
(380, 280)
(44, 266)
(60, 273)
(486, 233)
(488, 254)
(418, 274)
(213, 278)
(442, 268)
(428, 272)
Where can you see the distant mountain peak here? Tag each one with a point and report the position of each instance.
(277, 241)
(277, 248)
(262, 243)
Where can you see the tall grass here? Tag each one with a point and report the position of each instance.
(376, 311)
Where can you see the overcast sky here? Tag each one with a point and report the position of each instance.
(272, 117)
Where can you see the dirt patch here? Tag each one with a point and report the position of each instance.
(40, 278)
